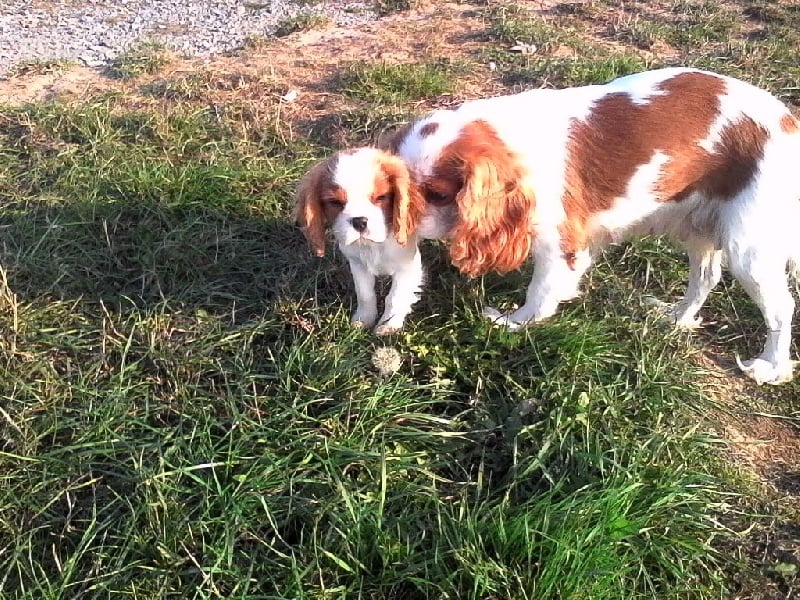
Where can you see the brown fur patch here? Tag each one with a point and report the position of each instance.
(329, 194)
(383, 193)
(392, 141)
(620, 135)
(317, 202)
(403, 205)
(428, 129)
(484, 179)
(789, 124)
(734, 162)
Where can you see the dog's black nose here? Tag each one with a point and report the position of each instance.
(359, 224)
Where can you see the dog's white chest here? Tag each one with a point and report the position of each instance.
(376, 258)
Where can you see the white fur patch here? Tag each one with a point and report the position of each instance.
(355, 173)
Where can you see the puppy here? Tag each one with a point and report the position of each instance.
(708, 160)
(366, 198)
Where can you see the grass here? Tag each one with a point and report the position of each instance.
(198, 84)
(142, 58)
(185, 411)
(358, 125)
(40, 67)
(171, 436)
(385, 83)
(302, 22)
(512, 23)
(388, 7)
(587, 61)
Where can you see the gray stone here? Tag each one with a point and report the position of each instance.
(95, 32)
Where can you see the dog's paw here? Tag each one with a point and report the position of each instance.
(363, 321)
(655, 303)
(684, 322)
(391, 322)
(502, 319)
(762, 371)
(387, 328)
(671, 313)
(494, 315)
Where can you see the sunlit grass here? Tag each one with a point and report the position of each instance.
(187, 410)
(142, 58)
(393, 83)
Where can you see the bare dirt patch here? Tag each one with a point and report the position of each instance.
(769, 446)
(74, 82)
(760, 440)
(305, 62)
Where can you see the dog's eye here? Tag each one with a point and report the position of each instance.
(382, 199)
(435, 197)
(333, 202)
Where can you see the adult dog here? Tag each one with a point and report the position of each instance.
(709, 160)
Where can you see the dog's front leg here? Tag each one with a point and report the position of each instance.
(404, 292)
(556, 278)
(366, 301)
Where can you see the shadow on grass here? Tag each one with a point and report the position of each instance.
(146, 253)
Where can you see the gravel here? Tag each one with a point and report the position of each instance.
(93, 32)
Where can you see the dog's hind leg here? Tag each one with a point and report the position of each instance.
(763, 276)
(705, 270)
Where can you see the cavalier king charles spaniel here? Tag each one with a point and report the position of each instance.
(555, 174)
(366, 198)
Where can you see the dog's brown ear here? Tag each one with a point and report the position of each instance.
(308, 211)
(495, 205)
(408, 203)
